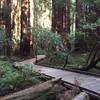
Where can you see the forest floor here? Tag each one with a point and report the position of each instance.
(76, 60)
(14, 79)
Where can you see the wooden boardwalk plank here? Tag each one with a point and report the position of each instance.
(86, 81)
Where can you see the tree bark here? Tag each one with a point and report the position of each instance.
(68, 16)
(25, 24)
(6, 18)
(78, 14)
(61, 18)
(54, 15)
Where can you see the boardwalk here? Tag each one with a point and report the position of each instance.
(86, 81)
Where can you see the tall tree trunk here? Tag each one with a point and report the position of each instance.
(54, 15)
(36, 17)
(98, 15)
(7, 21)
(79, 43)
(25, 24)
(78, 14)
(16, 19)
(61, 18)
(68, 16)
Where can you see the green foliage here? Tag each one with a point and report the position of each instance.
(77, 61)
(2, 37)
(45, 3)
(87, 1)
(61, 3)
(78, 36)
(50, 44)
(91, 18)
(97, 2)
(11, 78)
(98, 22)
(61, 56)
(6, 12)
(47, 40)
(5, 43)
(91, 26)
(3, 58)
(41, 6)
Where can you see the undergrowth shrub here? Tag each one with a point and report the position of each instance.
(49, 43)
(11, 78)
(2, 41)
(6, 43)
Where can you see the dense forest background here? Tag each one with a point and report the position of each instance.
(36, 35)
(75, 22)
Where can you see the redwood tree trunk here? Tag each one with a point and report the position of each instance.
(54, 15)
(61, 18)
(78, 14)
(25, 24)
(68, 16)
(7, 21)
(79, 43)
(98, 15)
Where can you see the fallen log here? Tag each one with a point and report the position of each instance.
(32, 92)
(82, 96)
